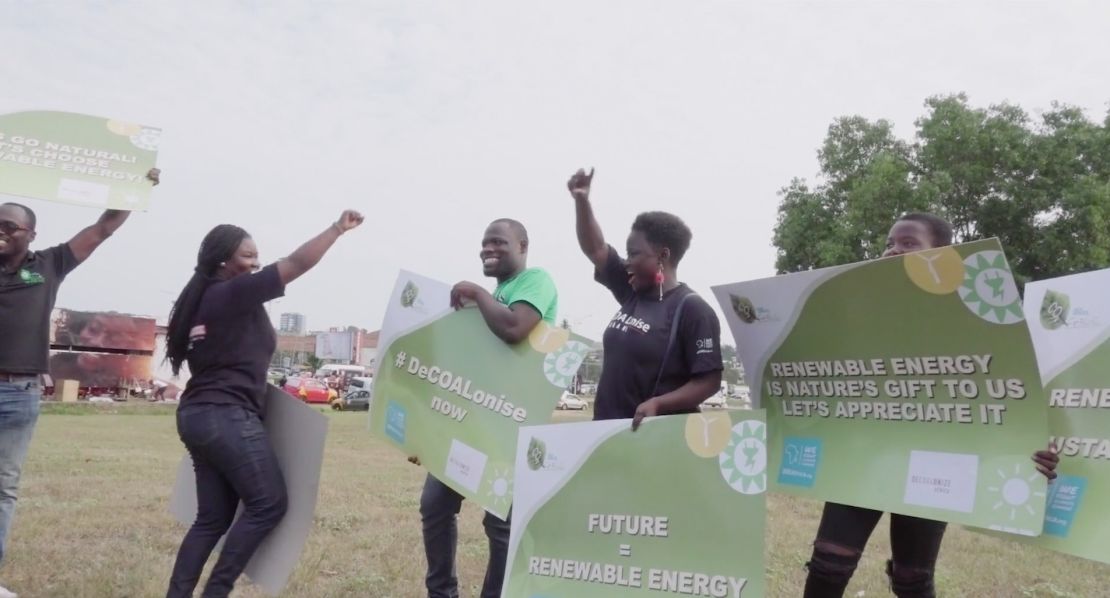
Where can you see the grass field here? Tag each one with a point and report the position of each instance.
(93, 521)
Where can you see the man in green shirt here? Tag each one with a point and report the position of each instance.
(523, 297)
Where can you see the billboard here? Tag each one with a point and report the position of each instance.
(335, 345)
(101, 330)
(102, 370)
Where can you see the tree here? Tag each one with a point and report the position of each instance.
(728, 354)
(1041, 186)
(313, 362)
(734, 370)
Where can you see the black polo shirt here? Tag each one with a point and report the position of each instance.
(26, 300)
(636, 339)
(232, 341)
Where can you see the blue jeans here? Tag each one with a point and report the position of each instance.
(439, 510)
(19, 410)
(233, 461)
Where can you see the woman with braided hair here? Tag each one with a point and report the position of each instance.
(220, 328)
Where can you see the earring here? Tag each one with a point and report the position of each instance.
(659, 279)
(223, 264)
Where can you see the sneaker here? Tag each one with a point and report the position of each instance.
(6, 593)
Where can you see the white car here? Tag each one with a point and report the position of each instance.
(717, 400)
(361, 383)
(569, 401)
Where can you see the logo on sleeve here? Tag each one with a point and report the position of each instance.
(705, 345)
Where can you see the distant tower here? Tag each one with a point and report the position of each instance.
(292, 324)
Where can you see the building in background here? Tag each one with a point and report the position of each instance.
(368, 348)
(292, 323)
(335, 346)
(350, 345)
(293, 350)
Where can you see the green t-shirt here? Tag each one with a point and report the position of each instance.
(534, 287)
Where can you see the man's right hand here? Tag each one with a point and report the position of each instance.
(579, 184)
(465, 292)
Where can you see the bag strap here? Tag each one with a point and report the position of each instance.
(671, 341)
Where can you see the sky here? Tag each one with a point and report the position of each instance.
(434, 118)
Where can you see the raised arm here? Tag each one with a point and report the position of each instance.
(590, 238)
(85, 242)
(308, 255)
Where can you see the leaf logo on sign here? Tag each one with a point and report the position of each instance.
(744, 308)
(1054, 310)
(537, 451)
(409, 294)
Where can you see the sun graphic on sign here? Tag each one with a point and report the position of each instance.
(147, 139)
(559, 367)
(744, 461)
(1014, 491)
(989, 290)
(499, 486)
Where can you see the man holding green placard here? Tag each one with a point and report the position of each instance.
(523, 297)
(29, 282)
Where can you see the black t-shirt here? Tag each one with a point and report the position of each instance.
(27, 297)
(636, 338)
(232, 341)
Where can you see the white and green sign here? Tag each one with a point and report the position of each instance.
(1069, 319)
(448, 391)
(905, 384)
(676, 508)
(77, 159)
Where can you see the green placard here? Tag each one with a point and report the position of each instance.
(905, 384)
(77, 159)
(1070, 325)
(676, 508)
(451, 393)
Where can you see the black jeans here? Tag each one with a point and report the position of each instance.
(233, 461)
(914, 542)
(439, 509)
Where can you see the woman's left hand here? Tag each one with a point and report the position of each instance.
(1047, 460)
(649, 408)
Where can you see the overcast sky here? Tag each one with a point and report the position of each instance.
(435, 118)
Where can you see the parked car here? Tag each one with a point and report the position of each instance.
(716, 401)
(361, 383)
(569, 401)
(356, 400)
(309, 390)
(740, 392)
